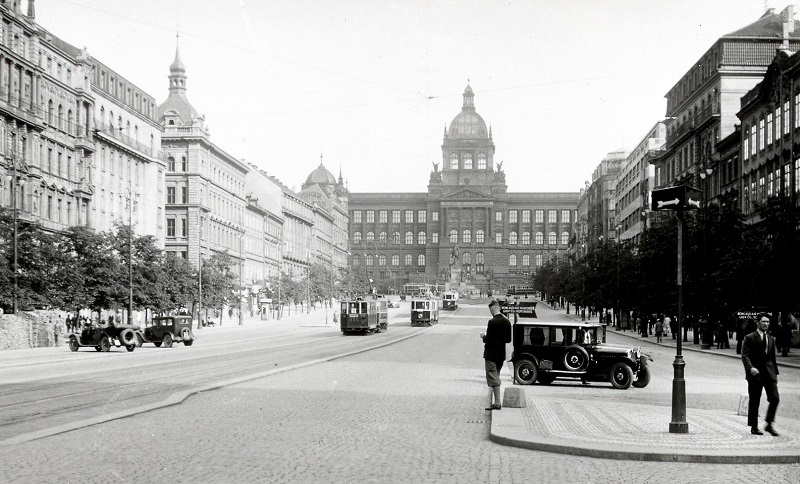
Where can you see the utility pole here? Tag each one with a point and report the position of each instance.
(241, 286)
(200, 275)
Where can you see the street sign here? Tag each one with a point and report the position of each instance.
(679, 197)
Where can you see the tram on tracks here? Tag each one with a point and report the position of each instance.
(424, 311)
(450, 300)
(363, 316)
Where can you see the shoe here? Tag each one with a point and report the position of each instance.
(755, 431)
(771, 431)
(493, 407)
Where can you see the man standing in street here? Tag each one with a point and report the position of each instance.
(498, 333)
(761, 371)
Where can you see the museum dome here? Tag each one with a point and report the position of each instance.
(468, 123)
(321, 176)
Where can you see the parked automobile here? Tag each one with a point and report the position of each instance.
(101, 337)
(546, 351)
(167, 330)
(394, 304)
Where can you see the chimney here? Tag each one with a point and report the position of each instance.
(31, 10)
(788, 24)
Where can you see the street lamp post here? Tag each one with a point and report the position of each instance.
(619, 313)
(200, 276)
(705, 174)
(15, 183)
(241, 283)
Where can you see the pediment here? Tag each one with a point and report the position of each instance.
(466, 194)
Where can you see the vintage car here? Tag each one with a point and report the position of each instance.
(545, 351)
(166, 330)
(393, 304)
(363, 316)
(102, 336)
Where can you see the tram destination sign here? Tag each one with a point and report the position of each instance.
(679, 197)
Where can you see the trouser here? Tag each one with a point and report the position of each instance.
(754, 387)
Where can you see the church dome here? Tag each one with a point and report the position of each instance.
(468, 123)
(321, 176)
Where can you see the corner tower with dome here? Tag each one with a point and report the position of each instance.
(467, 232)
(329, 199)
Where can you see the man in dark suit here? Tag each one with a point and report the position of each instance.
(498, 333)
(761, 371)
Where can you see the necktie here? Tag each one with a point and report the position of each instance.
(766, 343)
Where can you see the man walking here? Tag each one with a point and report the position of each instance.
(761, 371)
(498, 333)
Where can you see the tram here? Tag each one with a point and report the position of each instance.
(363, 316)
(424, 311)
(450, 300)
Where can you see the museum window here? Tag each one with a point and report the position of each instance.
(370, 236)
(526, 260)
(356, 237)
(422, 238)
(498, 216)
(453, 236)
(512, 238)
(467, 161)
(435, 216)
(421, 260)
(409, 216)
(453, 161)
(479, 263)
(512, 216)
(381, 260)
(466, 236)
(395, 216)
(479, 236)
(370, 216)
(356, 214)
(369, 260)
(526, 238)
(422, 216)
(526, 216)
(538, 238)
(396, 238)
(409, 238)
(565, 217)
(539, 260)
(382, 237)
(512, 260)
(564, 238)
(409, 259)
(539, 216)
(498, 238)
(551, 238)
(551, 216)
(481, 161)
(395, 260)
(435, 238)
(382, 216)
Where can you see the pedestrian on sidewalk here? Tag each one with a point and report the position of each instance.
(659, 330)
(761, 372)
(498, 333)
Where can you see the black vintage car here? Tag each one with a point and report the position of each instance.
(545, 351)
(101, 337)
(167, 330)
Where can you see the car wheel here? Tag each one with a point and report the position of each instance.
(130, 347)
(643, 378)
(139, 340)
(186, 334)
(105, 343)
(157, 343)
(73, 343)
(621, 376)
(576, 358)
(167, 340)
(525, 372)
(546, 379)
(127, 337)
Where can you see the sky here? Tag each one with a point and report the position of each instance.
(370, 85)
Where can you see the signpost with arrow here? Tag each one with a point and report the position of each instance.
(678, 198)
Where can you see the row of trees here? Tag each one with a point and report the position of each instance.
(79, 268)
(727, 265)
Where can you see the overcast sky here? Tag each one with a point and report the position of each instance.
(371, 84)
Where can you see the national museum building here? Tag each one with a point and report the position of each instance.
(467, 232)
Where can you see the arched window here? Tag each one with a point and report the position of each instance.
(453, 161)
(526, 238)
(479, 236)
(466, 262)
(467, 161)
(370, 236)
(526, 260)
(395, 260)
(396, 238)
(356, 260)
(356, 237)
(539, 260)
(409, 238)
(70, 122)
(382, 237)
(50, 113)
(539, 238)
(421, 238)
(481, 161)
(453, 236)
(369, 260)
(564, 238)
(409, 260)
(60, 117)
(512, 260)
(479, 262)
(512, 238)
(170, 164)
(421, 260)
(467, 236)
(551, 238)
(381, 260)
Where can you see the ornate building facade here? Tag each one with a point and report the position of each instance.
(467, 231)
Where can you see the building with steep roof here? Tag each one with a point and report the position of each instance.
(467, 232)
(702, 106)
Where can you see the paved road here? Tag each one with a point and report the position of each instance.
(409, 412)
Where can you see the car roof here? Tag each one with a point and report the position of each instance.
(559, 324)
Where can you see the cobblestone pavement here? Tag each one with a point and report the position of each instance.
(410, 412)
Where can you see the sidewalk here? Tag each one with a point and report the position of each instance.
(629, 431)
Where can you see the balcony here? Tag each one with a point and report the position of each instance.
(699, 120)
(116, 134)
(23, 110)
